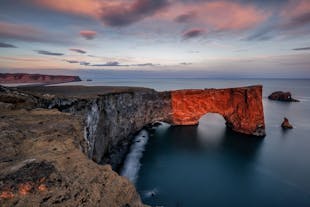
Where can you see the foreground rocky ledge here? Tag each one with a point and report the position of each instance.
(41, 164)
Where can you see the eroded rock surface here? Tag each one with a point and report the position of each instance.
(41, 164)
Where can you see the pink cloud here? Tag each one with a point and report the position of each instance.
(89, 8)
(218, 15)
(88, 34)
(296, 8)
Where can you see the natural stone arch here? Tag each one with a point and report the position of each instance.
(242, 108)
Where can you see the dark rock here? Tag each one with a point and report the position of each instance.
(282, 96)
(286, 124)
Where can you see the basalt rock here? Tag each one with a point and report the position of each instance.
(282, 96)
(286, 124)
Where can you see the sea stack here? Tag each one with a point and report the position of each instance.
(282, 96)
(286, 124)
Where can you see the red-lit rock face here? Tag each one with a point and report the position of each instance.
(242, 108)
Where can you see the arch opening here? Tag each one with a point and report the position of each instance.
(211, 129)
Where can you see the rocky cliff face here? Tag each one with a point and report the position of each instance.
(242, 108)
(119, 116)
(111, 119)
(35, 78)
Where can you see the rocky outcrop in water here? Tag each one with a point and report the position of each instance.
(286, 124)
(282, 96)
(7, 78)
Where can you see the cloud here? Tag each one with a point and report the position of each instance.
(84, 63)
(112, 13)
(71, 61)
(124, 14)
(78, 50)
(116, 63)
(6, 45)
(184, 18)
(296, 14)
(193, 33)
(185, 63)
(112, 63)
(219, 15)
(145, 64)
(88, 34)
(44, 52)
(28, 33)
(301, 48)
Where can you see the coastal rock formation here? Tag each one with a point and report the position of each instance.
(286, 124)
(242, 108)
(112, 117)
(8, 78)
(101, 122)
(282, 96)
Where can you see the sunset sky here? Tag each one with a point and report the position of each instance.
(254, 37)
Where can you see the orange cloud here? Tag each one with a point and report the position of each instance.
(80, 7)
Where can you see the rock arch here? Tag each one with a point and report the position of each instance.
(242, 107)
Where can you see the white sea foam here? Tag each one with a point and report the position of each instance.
(132, 162)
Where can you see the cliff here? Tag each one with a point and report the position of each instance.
(8, 78)
(110, 117)
(114, 115)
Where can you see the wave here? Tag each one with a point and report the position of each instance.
(132, 162)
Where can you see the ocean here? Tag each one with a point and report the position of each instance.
(209, 165)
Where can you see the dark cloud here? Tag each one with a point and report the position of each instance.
(88, 34)
(71, 61)
(123, 14)
(44, 52)
(185, 17)
(193, 33)
(185, 63)
(297, 22)
(78, 50)
(146, 64)
(6, 45)
(301, 48)
(114, 63)
(84, 63)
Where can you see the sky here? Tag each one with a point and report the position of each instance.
(240, 38)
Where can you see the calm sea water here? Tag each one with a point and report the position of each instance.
(208, 165)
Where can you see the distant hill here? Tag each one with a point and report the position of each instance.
(14, 78)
